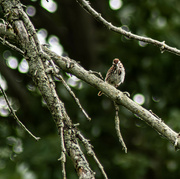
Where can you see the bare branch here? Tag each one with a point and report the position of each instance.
(96, 73)
(30, 28)
(115, 95)
(15, 117)
(63, 151)
(117, 127)
(90, 151)
(58, 76)
(73, 95)
(72, 146)
(13, 47)
(163, 47)
(27, 40)
(67, 64)
(30, 44)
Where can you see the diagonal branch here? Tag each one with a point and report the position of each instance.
(90, 152)
(55, 72)
(117, 127)
(73, 95)
(68, 65)
(163, 47)
(55, 105)
(28, 42)
(15, 116)
(116, 95)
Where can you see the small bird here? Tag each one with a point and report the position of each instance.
(115, 75)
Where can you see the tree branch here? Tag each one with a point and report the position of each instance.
(71, 66)
(117, 127)
(90, 151)
(163, 47)
(73, 95)
(74, 68)
(30, 45)
(15, 116)
(28, 42)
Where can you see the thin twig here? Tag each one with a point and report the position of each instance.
(117, 127)
(63, 151)
(73, 95)
(96, 73)
(58, 76)
(15, 117)
(163, 47)
(13, 47)
(90, 151)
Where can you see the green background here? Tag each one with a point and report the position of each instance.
(149, 72)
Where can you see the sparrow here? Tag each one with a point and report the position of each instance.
(115, 75)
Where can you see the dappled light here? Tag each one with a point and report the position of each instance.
(115, 4)
(42, 35)
(139, 98)
(12, 62)
(23, 66)
(50, 5)
(55, 44)
(31, 11)
(54, 59)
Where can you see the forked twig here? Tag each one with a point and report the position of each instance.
(15, 117)
(117, 127)
(58, 76)
(90, 151)
(72, 94)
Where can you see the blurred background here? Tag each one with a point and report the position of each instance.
(152, 79)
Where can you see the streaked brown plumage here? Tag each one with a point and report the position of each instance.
(115, 75)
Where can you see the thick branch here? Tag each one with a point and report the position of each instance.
(72, 67)
(27, 40)
(114, 94)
